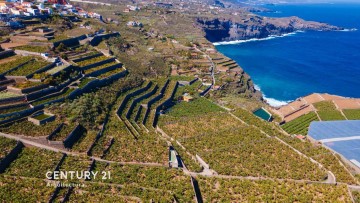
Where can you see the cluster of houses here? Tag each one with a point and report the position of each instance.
(11, 9)
(21, 8)
(134, 24)
(131, 8)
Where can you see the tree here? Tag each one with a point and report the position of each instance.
(61, 48)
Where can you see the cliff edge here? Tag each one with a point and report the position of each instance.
(253, 26)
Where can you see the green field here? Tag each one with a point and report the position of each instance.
(300, 125)
(327, 111)
(352, 114)
(232, 190)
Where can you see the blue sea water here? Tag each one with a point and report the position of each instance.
(296, 65)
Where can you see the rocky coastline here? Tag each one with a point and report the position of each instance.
(253, 26)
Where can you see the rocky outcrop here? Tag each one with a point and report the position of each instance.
(253, 26)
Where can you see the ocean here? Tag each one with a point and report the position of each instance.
(295, 65)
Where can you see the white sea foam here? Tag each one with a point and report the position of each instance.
(271, 101)
(275, 103)
(255, 39)
(348, 30)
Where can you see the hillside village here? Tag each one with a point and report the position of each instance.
(118, 88)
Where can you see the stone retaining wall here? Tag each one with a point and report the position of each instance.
(6, 161)
(187, 82)
(104, 70)
(7, 82)
(98, 136)
(6, 53)
(18, 115)
(97, 39)
(164, 87)
(135, 101)
(87, 57)
(13, 106)
(205, 91)
(48, 67)
(15, 68)
(50, 137)
(26, 90)
(43, 121)
(164, 104)
(128, 96)
(68, 42)
(44, 93)
(196, 188)
(12, 100)
(137, 116)
(73, 137)
(54, 194)
(98, 64)
(58, 165)
(108, 146)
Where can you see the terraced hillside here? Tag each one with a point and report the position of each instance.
(142, 114)
(231, 147)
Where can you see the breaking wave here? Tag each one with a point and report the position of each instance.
(255, 39)
(271, 101)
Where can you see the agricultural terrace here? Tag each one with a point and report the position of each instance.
(29, 67)
(33, 162)
(197, 107)
(249, 118)
(85, 141)
(6, 95)
(356, 195)
(327, 111)
(83, 55)
(54, 97)
(352, 114)
(235, 190)
(190, 89)
(64, 132)
(27, 84)
(146, 148)
(318, 153)
(96, 192)
(27, 128)
(18, 60)
(56, 69)
(20, 189)
(161, 178)
(74, 163)
(41, 117)
(59, 38)
(300, 125)
(137, 104)
(39, 49)
(12, 109)
(323, 156)
(233, 148)
(106, 65)
(110, 73)
(6, 145)
(91, 61)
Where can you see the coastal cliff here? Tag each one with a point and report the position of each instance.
(217, 30)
